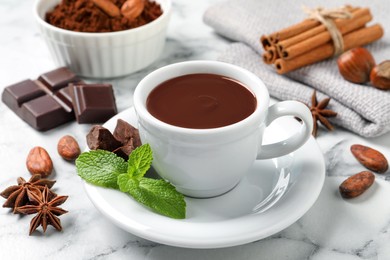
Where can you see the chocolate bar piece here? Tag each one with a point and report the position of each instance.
(15, 95)
(44, 113)
(100, 137)
(65, 98)
(58, 97)
(127, 134)
(35, 102)
(93, 103)
(122, 142)
(58, 78)
(124, 151)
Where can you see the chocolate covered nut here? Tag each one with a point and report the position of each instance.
(356, 184)
(370, 158)
(58, 78)
(101, 138)
(126, 133)
(93, 103)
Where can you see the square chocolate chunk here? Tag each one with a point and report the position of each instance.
(15, 95)
(44, 113)
(93, 103)
(58, 78)
(65, 97)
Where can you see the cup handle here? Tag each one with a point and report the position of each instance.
(287, 108)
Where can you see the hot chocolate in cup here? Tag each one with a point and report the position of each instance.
(205, 120)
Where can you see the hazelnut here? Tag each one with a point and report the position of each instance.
(380, 75)
(131, 9)
(355, 65)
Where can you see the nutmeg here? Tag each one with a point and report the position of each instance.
(131, 9)
(380, 75)
(355, 65)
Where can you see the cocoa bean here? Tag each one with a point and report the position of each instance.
(39, 162)
(68, 148)
(108, 7)
(356, 184)
(370, 158)
(131, 9)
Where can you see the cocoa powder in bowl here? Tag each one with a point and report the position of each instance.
(85, 16)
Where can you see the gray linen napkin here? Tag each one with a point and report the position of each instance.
(361, 108)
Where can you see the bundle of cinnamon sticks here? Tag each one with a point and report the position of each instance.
(309, 41)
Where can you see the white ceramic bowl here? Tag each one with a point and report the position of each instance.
(104, 55)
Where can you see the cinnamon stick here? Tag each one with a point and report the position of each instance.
(351, 40)
(270, 55)
(345, 26)
(356, 12)
(293, 30)
(296, 29)
(265, 42)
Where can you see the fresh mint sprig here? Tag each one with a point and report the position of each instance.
(101, 168)
(106, 169)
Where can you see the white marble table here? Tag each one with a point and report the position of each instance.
(332, 229)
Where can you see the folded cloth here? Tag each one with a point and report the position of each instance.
(361, 108)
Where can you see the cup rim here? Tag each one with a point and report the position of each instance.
(41, 21)
(144, 114)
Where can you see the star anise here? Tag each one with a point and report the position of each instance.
(46, 208)
(16, 195)
(319, 113)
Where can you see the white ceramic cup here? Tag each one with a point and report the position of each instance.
(209, 162)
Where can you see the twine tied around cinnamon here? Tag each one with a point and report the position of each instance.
(326, 16)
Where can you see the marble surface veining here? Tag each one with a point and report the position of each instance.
(332, 229)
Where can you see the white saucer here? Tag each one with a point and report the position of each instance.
(273, 195)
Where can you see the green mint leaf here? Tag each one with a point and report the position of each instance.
(139, 161)
(100, 168)
(158, 195)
